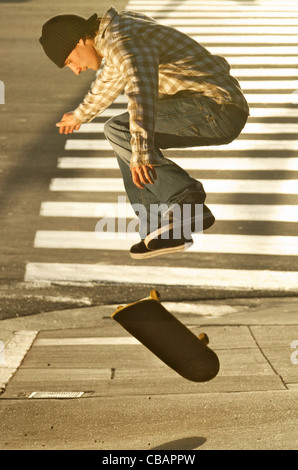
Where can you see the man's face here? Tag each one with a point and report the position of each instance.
(84, 56)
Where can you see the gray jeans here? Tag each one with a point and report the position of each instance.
(181, 122)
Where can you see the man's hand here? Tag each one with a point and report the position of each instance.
(144, 174)
(68, 124)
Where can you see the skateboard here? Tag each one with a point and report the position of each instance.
(169, 339)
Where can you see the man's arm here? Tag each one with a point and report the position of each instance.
(144, 174)
(68, 124)
(139, 63)
(104, 91)
(107, 86)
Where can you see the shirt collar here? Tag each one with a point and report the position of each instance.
(105, 21)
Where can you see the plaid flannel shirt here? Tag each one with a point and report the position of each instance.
(150, 61)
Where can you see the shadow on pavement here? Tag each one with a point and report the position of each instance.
(188, 443)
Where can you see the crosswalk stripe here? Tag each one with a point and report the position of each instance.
(230, 22)
(193, 7)
(213, 5)
(250, 128)
(245, 39)
(197, 163)
(276, 112)
(263, 61)
(242, 50)
(276, 30)
(216, 3)
(264, 72)
(161, 275)
(211, 186)
(244, 212)
(218, 14)
(269, 84)
(264, 98)
(240, 144)
(234, 244)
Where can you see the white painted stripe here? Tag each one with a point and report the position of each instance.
(16, 348)
(245, 9)
(110, 112)
(197, 163)
(211, 186)
(236, 244)
(261, 22)
(102, 163)
(269, 84)
(121, 99)
(250, 128)
(262, 60)
(14, 352)
(239, 40)
(265, 72)
(218, 14)
(275, 112)
(240, 144)
(216, 3)
(211, 2)
(255, 212)
(242, 30)
(242, 50)
(264, 280)
(264, 98)
(102, 341)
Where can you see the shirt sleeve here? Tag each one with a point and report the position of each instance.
(139, 63)
(107, 86)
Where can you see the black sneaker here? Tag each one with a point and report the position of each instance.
(192, 217)
(159, 247)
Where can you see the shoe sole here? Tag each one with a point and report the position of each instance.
(163, 251)
(208, 221)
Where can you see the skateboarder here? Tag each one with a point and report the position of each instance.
(179, 95)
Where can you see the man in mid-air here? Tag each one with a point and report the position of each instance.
(179, 95)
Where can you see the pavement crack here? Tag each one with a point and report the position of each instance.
(266, 358)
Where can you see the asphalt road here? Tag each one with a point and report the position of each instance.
(37, 94)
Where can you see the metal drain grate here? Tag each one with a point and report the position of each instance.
(56, 394)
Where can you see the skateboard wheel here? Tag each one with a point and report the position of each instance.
(155, 295)
(204, 338)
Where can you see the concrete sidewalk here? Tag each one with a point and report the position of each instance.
(130, 400)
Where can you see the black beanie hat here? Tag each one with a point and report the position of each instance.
(61, 34)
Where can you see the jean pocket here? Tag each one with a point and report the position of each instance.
(195, 130)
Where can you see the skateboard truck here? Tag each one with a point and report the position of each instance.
(169, 339)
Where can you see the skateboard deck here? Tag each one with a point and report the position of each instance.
(169, 339)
